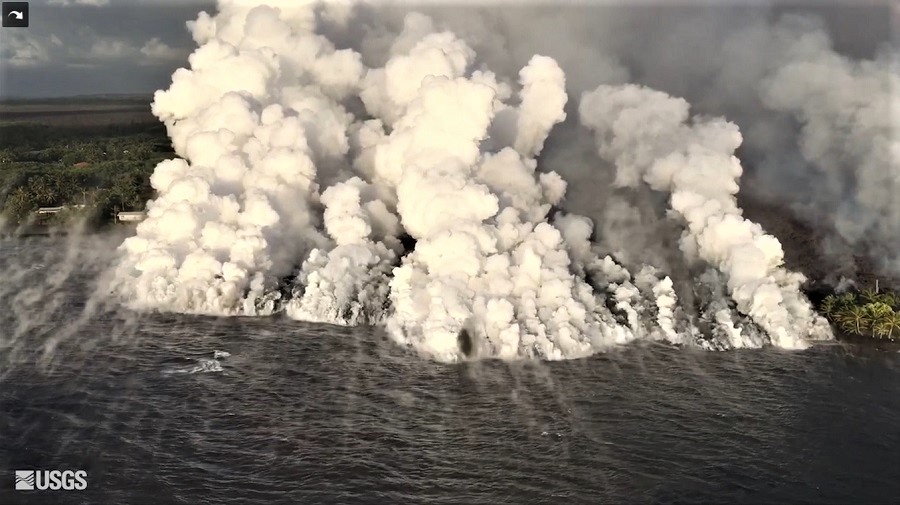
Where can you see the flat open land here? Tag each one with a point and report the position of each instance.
(88, 111)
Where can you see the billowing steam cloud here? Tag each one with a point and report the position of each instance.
(647, 135)
(820, 131)
(408, 193)
(258, 118)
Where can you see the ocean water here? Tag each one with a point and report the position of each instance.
(162, 408)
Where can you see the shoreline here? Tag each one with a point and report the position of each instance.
(813, 293)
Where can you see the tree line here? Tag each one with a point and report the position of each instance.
(104, 169)
(867, 313)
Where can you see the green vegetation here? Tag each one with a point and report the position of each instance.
(866, 313)
(92, 171)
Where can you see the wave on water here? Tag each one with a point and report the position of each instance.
(201, 365)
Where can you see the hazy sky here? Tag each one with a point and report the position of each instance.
(75, 47)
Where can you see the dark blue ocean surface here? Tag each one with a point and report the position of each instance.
(165, 409)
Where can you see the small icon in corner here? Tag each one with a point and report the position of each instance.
(15, 14)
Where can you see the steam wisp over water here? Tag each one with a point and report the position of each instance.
(409, 194)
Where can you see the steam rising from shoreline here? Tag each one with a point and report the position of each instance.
(647, 135)
(409, 194)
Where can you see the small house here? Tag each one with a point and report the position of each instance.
(130, 217)
(44, 211)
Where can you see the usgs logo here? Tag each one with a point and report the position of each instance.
(54, 480)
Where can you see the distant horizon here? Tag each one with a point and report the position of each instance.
(5, 99)
(79, 48)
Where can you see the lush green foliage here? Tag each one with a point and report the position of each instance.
(868, 313)
(105, 169)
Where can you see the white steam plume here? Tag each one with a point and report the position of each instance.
(487, 265)
(254, 119)
(409, 195)
(724, 61)
(651, 138)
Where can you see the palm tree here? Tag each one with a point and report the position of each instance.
(42, 190)
(61, 185)
(829, 306)
(19, 204)
(854, 320)
(888, 325)
(846, 300)
(891, 299)
(877, 312)
(878, 309)
(869, 295)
